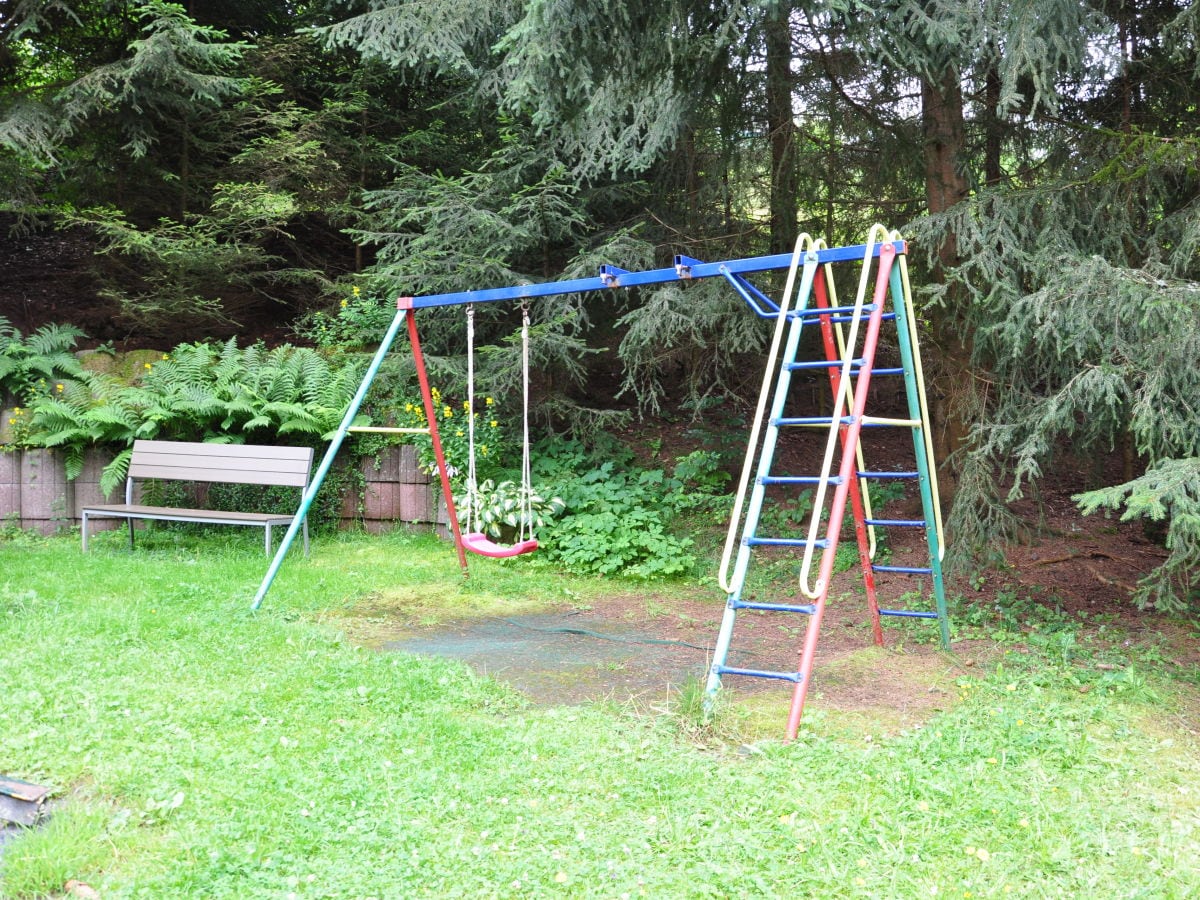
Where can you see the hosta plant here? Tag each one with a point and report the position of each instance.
(500, 509)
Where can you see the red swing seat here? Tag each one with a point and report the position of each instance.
(478, 542)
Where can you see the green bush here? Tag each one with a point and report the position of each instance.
(617, 519)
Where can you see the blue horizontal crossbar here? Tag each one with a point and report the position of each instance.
(794, 677)
(811, 420)
(693, 271)
(886, 475)
(903, 570)
(807, 608)
(838, 320)
(908, 614)
(799, 479)
(822, 364)
(784, 542)
(839, 313)
(898, 523)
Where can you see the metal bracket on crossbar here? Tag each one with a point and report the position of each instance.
(611, 274)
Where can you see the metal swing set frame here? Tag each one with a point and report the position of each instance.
(810, 263)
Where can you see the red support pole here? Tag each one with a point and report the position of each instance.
(856, 501)
(846, 474)
(405, 303)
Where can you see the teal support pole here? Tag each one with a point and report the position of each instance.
(334, 445)
(908, 353)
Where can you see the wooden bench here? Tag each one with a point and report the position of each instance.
(213, 463)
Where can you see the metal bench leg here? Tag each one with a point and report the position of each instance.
(268, 538)
(83, 527)
(130, 521)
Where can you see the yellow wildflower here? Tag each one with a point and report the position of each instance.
(147, 366)
(343, 304)
(447, 412)
(165, 357)
(355, 290)
(494, 423)
(58, 387)
(489, 401)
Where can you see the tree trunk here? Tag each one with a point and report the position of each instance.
(781, 127)
(945, 185)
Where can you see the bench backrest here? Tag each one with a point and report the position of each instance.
(230, 463)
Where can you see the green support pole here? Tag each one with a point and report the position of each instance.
(334, 445)
(908, 352)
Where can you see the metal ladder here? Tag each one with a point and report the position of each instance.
(850, 362)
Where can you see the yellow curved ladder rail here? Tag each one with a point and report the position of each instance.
(850, 362)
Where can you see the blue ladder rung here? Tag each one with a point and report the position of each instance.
(822, 364)
(886, 317)
(820, 543)
(811, 420)
(896, 371)
(799, 479)
(814, 312)
(886, 475)
(899, 523)
(908, 614)
(807, 608)
(794, 677)
(904, 570)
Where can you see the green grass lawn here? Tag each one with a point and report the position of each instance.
(197, 749)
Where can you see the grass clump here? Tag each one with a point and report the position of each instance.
(199, 750)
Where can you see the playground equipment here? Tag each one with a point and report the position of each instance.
(850, 363)
(809, 297)
(476, 541)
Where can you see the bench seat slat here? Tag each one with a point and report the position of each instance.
(181, 514)
(232, 475)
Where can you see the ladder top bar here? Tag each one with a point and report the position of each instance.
(612, 277)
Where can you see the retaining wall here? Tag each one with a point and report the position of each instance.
(35, 492)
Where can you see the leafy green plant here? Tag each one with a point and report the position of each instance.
(202, 392)
(500, 509)
(617, 519)
(358, 322)
(38, 364)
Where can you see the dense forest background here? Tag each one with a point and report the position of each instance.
(285, 170)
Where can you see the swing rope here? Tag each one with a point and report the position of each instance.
(477, 540)
(526, 528)
(472, 485)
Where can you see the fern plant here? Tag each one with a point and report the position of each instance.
(38, 363)
(199, 392)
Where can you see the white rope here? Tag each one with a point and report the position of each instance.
(473, 516)
(526, 528)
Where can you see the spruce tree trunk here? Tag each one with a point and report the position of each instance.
(782, 129)
(945, 185)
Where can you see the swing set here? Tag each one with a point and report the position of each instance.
(808, 297)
